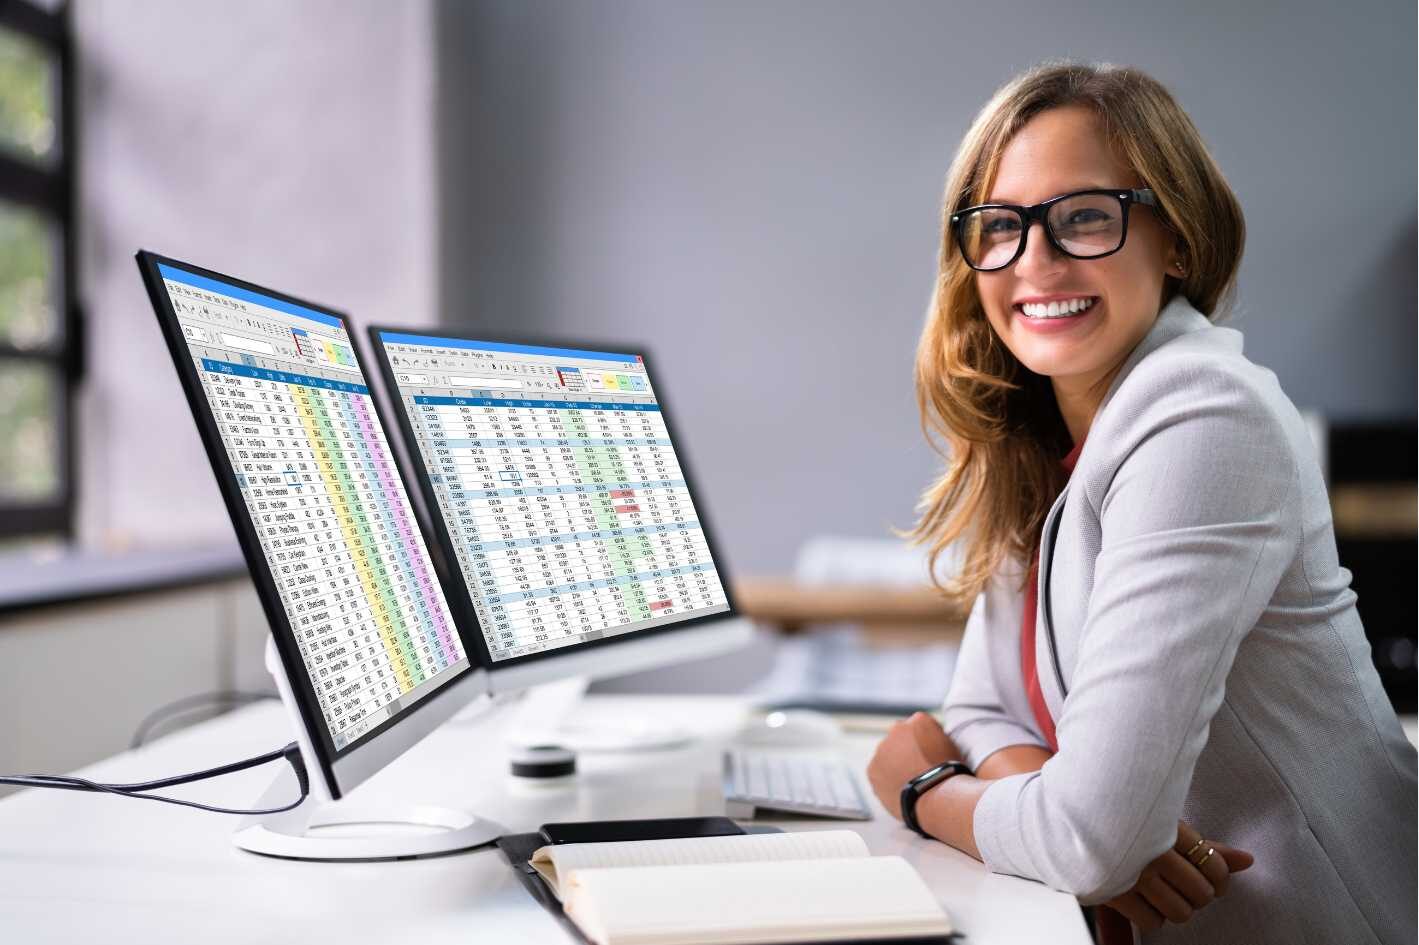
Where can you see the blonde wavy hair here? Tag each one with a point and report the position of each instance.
(993, 420)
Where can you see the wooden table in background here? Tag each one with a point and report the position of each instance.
(888, 614)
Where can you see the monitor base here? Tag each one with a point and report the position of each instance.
(346, 832)
(439, 831)
(631, 736)
(547, 716)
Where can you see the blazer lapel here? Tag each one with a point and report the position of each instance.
(1178, 317)
(1051, 675)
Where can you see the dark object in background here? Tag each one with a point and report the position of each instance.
(662, 828)
(543, 763)
(1372, 494)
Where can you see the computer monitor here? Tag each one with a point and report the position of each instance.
(365, 648)
(553, 477)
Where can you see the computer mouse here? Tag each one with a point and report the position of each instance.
(791, 728)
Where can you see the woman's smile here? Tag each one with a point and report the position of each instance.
(1057, 313)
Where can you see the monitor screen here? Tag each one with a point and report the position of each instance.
(325, 501)
(558, 487)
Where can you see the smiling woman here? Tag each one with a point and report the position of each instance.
(1116, 298)
(1123, 480)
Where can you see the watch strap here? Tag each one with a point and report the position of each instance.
(922, 783)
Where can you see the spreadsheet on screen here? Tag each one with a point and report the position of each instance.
(314, 468)
(560, 489)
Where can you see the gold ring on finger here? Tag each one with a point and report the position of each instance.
(1200, 843)
(1205, 857)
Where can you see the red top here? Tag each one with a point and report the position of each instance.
(1113, 928)
(1027, 635)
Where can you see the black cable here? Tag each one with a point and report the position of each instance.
(291, 753)
(188, 704)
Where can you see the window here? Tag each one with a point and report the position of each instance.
(40, 338)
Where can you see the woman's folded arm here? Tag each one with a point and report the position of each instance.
(974, 714)
(1198, 526)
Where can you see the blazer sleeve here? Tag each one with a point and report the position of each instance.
(1198, 525)
(983, 704)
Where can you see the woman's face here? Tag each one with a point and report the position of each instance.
(1059, 151)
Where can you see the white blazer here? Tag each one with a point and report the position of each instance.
(1199, 648)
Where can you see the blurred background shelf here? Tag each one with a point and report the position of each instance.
(1375, 510)
(1372, 472)
(885, 612)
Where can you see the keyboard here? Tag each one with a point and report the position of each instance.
(816, 785)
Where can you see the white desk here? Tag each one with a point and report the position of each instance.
(79, 867)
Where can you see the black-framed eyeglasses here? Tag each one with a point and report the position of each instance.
(1086, 224)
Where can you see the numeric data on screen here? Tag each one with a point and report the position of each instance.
(325, 500)
(556, 479)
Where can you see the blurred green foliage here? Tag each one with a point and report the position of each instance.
(27, 95)
(29, 390)
(29, 468)
(27, 310)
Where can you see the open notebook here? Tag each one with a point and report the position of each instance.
(820, 886)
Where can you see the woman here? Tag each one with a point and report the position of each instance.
(1195, 666)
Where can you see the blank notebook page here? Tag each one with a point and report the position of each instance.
(555, 862)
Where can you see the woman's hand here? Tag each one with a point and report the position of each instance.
(1171, 888)
(912, 746)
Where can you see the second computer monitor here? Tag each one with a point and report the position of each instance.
(553, 478)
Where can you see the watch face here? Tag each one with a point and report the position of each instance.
(922, 781)
(942, 771)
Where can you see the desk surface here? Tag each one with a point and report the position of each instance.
(89, 868)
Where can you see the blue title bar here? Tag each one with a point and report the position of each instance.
(548, 404)
(284, 377)
(246, 295)
(394, 338)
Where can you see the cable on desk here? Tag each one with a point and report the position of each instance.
(138, 790)
(187, 705)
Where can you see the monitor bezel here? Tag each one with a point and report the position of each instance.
(457, 579)
(333, 765)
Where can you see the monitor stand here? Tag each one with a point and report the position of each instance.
(548, 716)
(342, 831)
(346, 831)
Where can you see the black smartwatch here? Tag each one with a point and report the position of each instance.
(922, 783)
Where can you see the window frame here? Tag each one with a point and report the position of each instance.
(48, 188)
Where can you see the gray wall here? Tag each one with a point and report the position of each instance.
(753, 190)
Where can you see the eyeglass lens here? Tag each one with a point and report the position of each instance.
(1085, 225)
